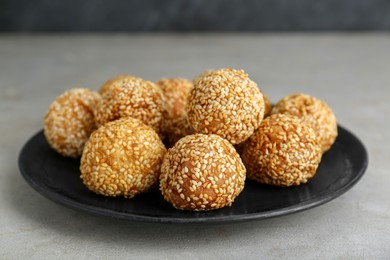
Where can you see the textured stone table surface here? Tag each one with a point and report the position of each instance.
(349, 71)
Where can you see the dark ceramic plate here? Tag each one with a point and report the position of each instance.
(58, 179)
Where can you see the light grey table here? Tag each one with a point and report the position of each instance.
(351, 72)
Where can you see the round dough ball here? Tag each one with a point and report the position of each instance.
(227, 103)
(201, 172)
(283, 151)
(70, 121)
(312, 111)
(122, 158)
(128, 96)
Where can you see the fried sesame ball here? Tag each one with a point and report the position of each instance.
(176, 92)
(129, 96)
(312, 111)
(178, 128)
(122, 158)
(283, 151)
(267, 105)
(201, 172)
(120, 78)
(227, 103)
(202, 75)
(70, 121)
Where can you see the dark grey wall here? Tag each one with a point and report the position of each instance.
(189, 15)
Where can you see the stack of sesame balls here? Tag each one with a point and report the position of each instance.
(219, 128)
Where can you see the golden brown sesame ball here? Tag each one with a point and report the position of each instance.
(124, 78)
(178, 128)
(122, 158)
(201, 172)
(128, 96)
(70, 121)
(283, 151)
(267, 105)
(312, 111)
(227, 103)
(176, 92)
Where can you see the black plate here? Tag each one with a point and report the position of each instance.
(58, 179)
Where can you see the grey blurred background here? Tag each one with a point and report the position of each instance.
(193, 15)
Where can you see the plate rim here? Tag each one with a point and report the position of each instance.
(99, 211)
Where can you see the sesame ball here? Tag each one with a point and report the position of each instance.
(176, 91)
(129, 96)
(120, 78)
(122, 158)
(201, 172)
(178, 128)
(227, 103)
(283, 151)
(70, 121)
(267, 105)
(312, 111)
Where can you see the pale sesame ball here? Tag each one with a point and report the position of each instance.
(312, 111)
(69, 121)
(129, 96)
(283, 151)
(176, 92)
(122, 158)
(202, 75)
(201, 172)
(227, 103)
